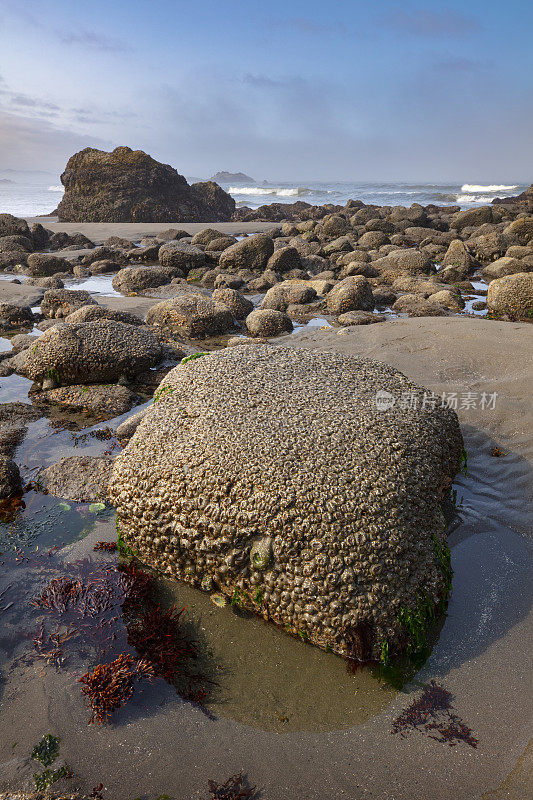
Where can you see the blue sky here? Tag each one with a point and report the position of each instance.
(283, 90)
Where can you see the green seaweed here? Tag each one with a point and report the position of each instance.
(46, 778)
(192, 357)
(123, 548)
(47, 750)
(384, 655)
(258, 596)
(53, 374)
(463, 463)
(163, 392)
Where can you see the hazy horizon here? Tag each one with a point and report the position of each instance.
(293, 93)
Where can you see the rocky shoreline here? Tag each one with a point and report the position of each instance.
(267, 476)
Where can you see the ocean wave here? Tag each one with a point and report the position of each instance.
(56, 188)
(256, 191)
(491, 187)
(472, 198)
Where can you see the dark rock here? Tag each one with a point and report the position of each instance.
(250, 253)
(45, 264)
(13, 226)
(14, 316)
(58, 303)
(10, 482)
(130, 186)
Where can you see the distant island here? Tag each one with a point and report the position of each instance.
(232, 177)
(6, 180)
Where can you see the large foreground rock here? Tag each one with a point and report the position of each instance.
(91, 352)
(129, 186)
(273, 474)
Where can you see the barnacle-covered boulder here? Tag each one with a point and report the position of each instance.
(300, 483)
(90, 352)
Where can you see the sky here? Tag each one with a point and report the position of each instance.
(296, 90)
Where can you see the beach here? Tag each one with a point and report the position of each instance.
(481, 657)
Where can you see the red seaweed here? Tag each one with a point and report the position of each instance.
(433, 712)
(158, 637)
(109, 686)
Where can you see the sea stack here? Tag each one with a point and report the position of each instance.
(130, 186)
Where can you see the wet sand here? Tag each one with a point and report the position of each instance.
(160, 744)
(98, 232)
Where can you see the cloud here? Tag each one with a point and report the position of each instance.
(28, 143)
(94, 40)
(432, 24)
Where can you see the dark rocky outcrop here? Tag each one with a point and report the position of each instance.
(129, 186)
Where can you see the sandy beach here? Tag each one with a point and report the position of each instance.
(481, 657)
(98, 232)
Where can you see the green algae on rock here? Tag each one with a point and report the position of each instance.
(289, 445)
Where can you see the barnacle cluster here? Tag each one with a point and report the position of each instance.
(272, 472)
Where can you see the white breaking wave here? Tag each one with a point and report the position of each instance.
(56, 188)
(473, 198)
(256, 191)
(492, 187)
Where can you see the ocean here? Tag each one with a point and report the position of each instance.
(27, 194)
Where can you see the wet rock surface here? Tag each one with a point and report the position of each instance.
(79, 478)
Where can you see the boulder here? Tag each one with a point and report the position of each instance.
(459, 256)
(129, 186)
(504, 266)
(520, 230)
(58, 303)
(192, 316)
(371, 240)
(287, 293)
(90, 313)
(14, 316)
(513, 295)
(83, 479)
(106, 401)
(334, 225)
(284, 259)
(9, 244)
(351, 294)
(451, 300)
(104, 253)
(266, 322)
(50, 282)
(91, 352)
(471, 217)
(127, 428)
(234, 301)
(414, 284)
(360, 318)
(300, 486)
(134, 279)
(202, 238)
(105, 266)
(13, 226)
(181, 255)
(10, 482)
(222, 243)
(69, 241)
(46, 264)
(417, 306)
(39, 236)
(253, 253)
